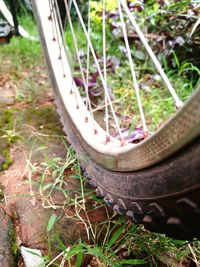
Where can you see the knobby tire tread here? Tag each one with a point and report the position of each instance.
(165, 198)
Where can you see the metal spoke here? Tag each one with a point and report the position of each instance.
(51, 18)
(178, 102)
(59, 36)
(99, 71)
(80, 64)
(64, 44)
(135, 82)
(88, 58)
(105, 68)
(57, 31)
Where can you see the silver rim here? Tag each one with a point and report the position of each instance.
(177, 132)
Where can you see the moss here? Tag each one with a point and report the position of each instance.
(14, 249)
(8, 161)
(7, 118)
(12, 123)
(44, 118)
(1, 192)
(7, 121)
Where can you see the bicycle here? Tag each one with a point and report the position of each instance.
(155, 181)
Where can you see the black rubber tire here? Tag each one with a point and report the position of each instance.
(165, 197)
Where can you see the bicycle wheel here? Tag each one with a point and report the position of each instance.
(154, 182)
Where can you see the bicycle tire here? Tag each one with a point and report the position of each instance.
(163, 195)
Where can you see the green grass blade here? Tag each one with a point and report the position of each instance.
(97, 253)
(80, 256)
(51, 222)
(60, 243)
(115, 237)
(133, 262)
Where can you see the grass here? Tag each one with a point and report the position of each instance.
(23, 50)
(22, 63)
(114, 241)
(157, 102)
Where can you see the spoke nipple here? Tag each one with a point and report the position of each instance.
(179, 104)
(64, 76)
(59, 58)
(95, 131)
(49, 17)
(86, 119)
(71, 92)
(54, 39)
(77, 107)
(107, 139)
(123, 142)
(146, 134)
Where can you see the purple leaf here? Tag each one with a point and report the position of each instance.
(135, 136)
(138, 5)
(94, 77)
(113, 14)
(91, 85)
(96, 92)
(79, 82)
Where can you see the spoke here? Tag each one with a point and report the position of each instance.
(88, 57)
(135, 82)
(99, 71)
(51, 18)
(57, 30)
(64, 44)
(70, 5)
(80, 64)
(105, 68)
(178, 102)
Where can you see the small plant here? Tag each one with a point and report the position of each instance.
(11, 136)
